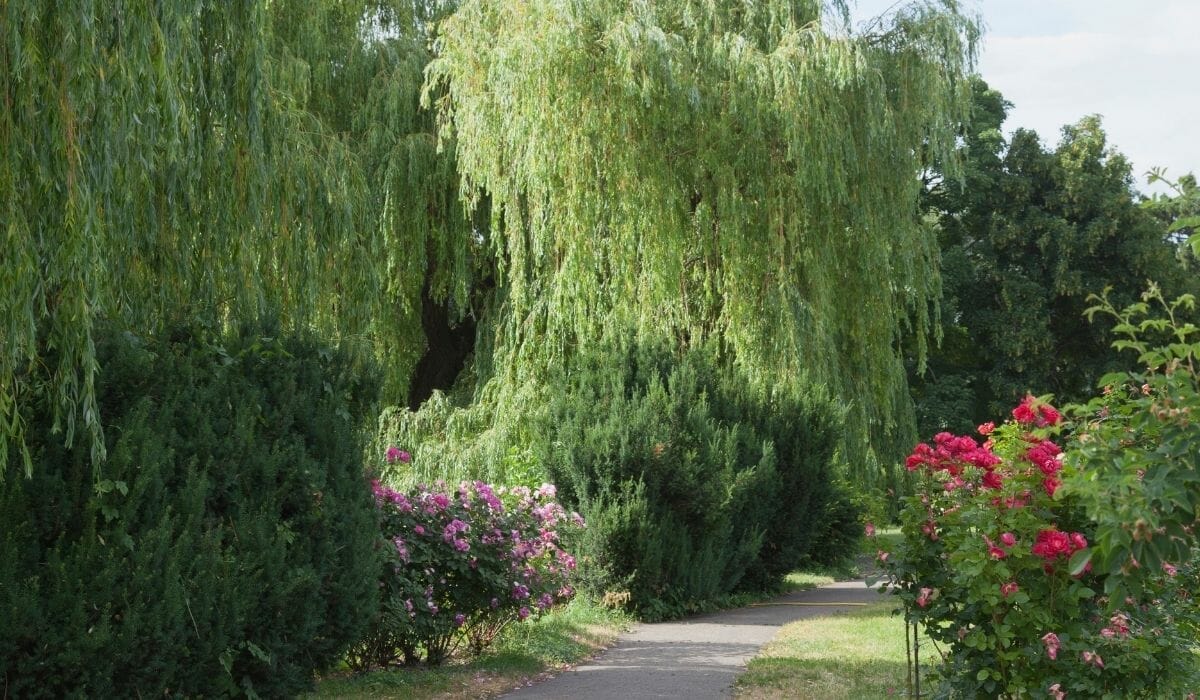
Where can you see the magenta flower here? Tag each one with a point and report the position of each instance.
(523, 612)
(395, 454)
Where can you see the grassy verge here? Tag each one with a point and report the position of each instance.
(523, 653)
(857, 655)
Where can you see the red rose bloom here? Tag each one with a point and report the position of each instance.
(1051, 485)
(1048, 415)
(1052, 544)
(1023, 413)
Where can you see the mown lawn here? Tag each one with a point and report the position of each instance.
(859, 654)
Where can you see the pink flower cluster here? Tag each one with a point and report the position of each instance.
(451, 534)
(457, 549)
(1050, 640)
(1118, 626)
(395, 454)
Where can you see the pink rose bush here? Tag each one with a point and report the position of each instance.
(460, 564)
(995, 565)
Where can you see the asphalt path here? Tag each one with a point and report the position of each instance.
(697, 658)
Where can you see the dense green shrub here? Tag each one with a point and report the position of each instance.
(694, 484)
(229, 546)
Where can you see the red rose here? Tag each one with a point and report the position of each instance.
(1051, 485)
(1052, 544)
(1024, 412)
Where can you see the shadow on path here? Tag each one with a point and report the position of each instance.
(696, 658)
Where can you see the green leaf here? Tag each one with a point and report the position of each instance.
(1112, 379)
(1079, 561)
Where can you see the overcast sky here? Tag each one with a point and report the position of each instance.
(1137, 64)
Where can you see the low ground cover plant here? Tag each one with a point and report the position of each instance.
(995, 565)
(460, 564)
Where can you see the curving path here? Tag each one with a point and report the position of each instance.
(697, 658)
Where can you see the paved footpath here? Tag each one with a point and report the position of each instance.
(697, 658)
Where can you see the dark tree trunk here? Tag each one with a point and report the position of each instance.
(449, 344)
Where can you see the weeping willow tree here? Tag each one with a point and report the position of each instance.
(744, 171)
(211, 160)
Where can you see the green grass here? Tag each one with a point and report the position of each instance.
(804, 580)
(859, 565)
(857, 655)
(522, 653)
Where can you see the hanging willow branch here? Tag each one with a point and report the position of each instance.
(211, 159)
(732, 169)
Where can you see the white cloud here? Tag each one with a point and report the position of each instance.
(1136, 64)
(1135, 68)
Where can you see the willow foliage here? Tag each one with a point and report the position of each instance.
(211, 159)
(738, 170)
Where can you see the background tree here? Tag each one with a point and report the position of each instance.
(1025, 238)
(1179, 210)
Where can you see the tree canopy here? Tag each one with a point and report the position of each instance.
(212, 160)
(581, 172)
(741, 171)
(1027, 235)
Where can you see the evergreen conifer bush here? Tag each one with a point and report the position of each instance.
(694, 483)
(229, 546)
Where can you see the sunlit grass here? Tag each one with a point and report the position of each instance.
(523, 652)
(804, 580)
(857, 655)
